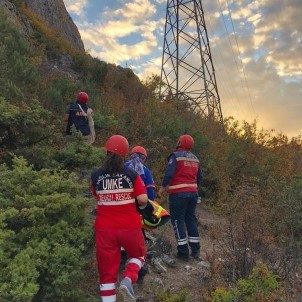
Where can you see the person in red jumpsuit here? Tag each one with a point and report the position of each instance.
(118, 189)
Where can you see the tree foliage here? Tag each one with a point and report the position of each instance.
(18, 76)
(252, 176)
(167, 296)
(44, 232)
(23, 125)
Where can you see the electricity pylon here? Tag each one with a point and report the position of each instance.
(187, 72)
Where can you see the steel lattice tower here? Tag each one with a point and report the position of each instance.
(187, 72)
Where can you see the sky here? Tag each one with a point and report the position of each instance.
(256, 47)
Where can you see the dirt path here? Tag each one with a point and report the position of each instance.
(184, 276)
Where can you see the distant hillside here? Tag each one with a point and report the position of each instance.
(56, 15)
(56, 48)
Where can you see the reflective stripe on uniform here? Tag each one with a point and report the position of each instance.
(182, 241)
(138, 261)
(187, 159)
(107, 286)
(194, 239)
(107, 292)
(109, 298)
(182, 186)
(150, 186)
(115, 197)
(115, 203)
(115, 191)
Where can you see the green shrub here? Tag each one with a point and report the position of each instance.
(23, 125)
(58, 90)
(104, 122)
(78, 154)
(261, 286)
(44, 235)
(222, 295)
(18, 75)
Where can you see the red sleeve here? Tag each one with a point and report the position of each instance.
(139, 186)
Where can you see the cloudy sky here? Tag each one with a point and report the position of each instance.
(256, 48)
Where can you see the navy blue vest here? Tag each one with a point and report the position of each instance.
(77, 118)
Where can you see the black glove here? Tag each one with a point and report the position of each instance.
(147, 211)
(153, 219)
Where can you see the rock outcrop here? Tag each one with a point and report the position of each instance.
(14, 15)
(55, 14)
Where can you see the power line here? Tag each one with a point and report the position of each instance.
(243, 70)
(231, 46)
(225, 86)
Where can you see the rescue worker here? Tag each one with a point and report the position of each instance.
(80, 115)
(138, 157)
(181, 179)
(118, 189)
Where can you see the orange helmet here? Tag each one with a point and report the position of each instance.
(186, 142)
(82, 97)
(117, 144)
(139, 149)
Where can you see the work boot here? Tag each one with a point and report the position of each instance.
(126, 290)
(196, 256)
(183, 257)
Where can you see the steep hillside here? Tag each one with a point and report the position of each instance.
(252, 177)
(55, 14)
(16, 17)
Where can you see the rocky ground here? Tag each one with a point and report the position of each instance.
(166, 273)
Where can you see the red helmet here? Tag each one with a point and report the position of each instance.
(82, 97)
(117, 144)
(139, 149)
(186, 142)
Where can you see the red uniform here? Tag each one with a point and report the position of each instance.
(182, 176)
(118, 224)
(186, 173)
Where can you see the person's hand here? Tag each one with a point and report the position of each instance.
(162, 191)
(92, 137)
(94, 212)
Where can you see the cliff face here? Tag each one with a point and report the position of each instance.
(18, 19)
(55, 14)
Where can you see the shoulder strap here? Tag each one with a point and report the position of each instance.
(84, 113)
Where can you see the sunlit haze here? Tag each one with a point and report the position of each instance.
(256, 48)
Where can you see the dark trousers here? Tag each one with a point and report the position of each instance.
(184, 222)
